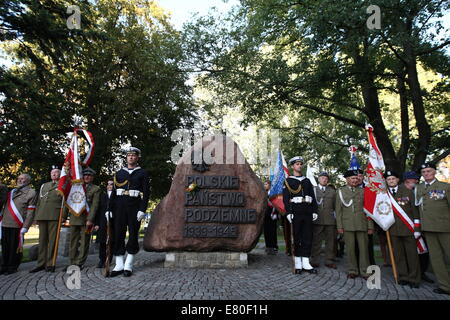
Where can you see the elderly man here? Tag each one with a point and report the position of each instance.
(433, 200)
(129, 202)
(410, 181)
(17, 217)
(48, 209)
(325, 225)
(353, 224)
(403, 240)
(81, 226)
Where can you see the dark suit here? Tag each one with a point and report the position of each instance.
(102, 232)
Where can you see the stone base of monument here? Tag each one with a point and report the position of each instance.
(204, 260)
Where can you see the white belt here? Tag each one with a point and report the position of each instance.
(306, 199)
(131, 193)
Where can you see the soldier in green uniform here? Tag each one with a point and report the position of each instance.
(16, 217)
(81, 226)
(325, 225)
(403, 239)
(47, 215)
(353, 224)
(433, 199)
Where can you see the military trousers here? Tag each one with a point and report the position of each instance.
(321, 233)
(286, 234)
(439, 247)
(352, 238)
(47, 242)
(303, 231)
(79, 245)
(406, 258)
(10, 243)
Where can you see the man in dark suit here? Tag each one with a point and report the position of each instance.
(101, 225)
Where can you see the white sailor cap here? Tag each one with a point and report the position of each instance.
(133, 150)
(295, 159)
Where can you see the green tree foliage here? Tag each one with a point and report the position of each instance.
(118, 76)
(315, 70)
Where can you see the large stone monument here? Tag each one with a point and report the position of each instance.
(215, 205)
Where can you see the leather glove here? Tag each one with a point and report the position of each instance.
(23, 230)
(290, 217)
(108, 215)
(315, 216)
(417, 235)
(140, 215)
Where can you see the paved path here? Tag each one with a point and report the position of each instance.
(267, 277)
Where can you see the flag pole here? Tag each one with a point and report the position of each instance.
(391, 254)
(58, 231)
(292, 247)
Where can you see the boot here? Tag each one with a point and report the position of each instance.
(129, 265)
(298, 265)
(306, 266)
(118, 269)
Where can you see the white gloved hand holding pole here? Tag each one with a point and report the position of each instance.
(290, 217)
(108, 215)
(315, 216)
(140, 215)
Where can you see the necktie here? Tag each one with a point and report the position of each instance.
(353, 189)
(393, 192)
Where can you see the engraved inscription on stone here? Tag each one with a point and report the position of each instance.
(221, 199)
(210, 231)
(220, 215)
(214, 182)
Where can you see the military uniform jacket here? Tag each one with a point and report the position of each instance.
(49, 202)
(326, 201)
(93, 200)
(139, 180)
(25, 201)
(434, 206)
(306, 189)
(405, 198)
(350, 214)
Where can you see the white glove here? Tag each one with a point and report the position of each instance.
(140, 215)
(290, 217)
(315, 216)
(108, 215)
(417, 235)
(23, 230)
(274, 216)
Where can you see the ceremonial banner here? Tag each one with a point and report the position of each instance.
(281, 172)
(377, 201)
(71, 182)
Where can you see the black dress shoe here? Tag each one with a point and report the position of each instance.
(312, 271)
(298, 271)
(3, 271)
(425, 278)
(441, 291)
(115, 273)
(11, 271)
(127, 273)
(50, 269)
(414, 285)
(101, 265)
(37, 269)
(403, 283)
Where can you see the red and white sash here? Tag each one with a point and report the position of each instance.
(16, 215)
(421, 247)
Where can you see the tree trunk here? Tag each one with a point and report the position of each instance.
(405, 144)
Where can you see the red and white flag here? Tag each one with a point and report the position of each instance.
(71, 181)
(377, 203)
